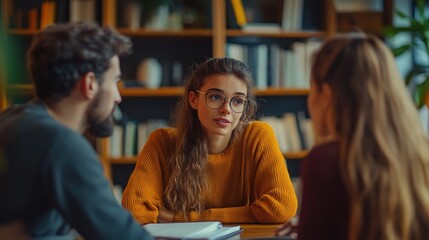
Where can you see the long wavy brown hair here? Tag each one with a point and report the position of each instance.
(185, 189)
(383, 149)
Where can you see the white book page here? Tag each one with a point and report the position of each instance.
(220, 233)
(182, 230)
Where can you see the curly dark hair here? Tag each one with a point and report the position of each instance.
(60, 54)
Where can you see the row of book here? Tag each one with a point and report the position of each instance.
(39, 14)
(272, 65)
(129, 138)
(277, 67)
(273, 16)
(161, 15)
(294, 133)
(292, 15)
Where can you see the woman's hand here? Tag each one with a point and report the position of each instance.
(165, 216)
(289, 229)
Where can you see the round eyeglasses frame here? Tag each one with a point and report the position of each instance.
(224, 100)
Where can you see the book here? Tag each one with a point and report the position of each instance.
(82, 10)
(130, 139)
(279, 130)
(292, 134)
(238, 9)
(116, 146)
(33, 15)
(47, 14)
(132, 14)
(191, 230)
(262, 27)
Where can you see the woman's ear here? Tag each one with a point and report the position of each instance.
(89, 85)
(193, 100)
(326, 94)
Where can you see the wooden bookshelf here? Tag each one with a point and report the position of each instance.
(24, 32)
(296, 155)
(123, 160)
(282, 92)
(279, 34)
(23, 89)
(167, 33)
(171, 91)
(178, 91)
(146, 92)
(214, 37)
(217, 31)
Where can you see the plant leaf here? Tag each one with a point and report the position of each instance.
(413, 72)
(400, 50)
(420, 93)
(391, 31)
(421, 10)
(416, 25)
(402, 14)
(426, 23)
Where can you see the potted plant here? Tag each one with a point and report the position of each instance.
(418, 27)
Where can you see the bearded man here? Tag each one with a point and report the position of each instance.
(52, 183)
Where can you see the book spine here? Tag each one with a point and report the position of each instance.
(47, 14)
(240, 16)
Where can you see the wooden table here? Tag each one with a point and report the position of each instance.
(257, 230)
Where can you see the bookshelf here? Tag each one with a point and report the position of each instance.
(188, 46)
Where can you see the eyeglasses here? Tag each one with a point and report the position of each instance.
(215, 100)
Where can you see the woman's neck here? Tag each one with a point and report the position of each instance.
(218, 143)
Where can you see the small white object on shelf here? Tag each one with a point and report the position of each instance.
(149, 73)
(262, 27)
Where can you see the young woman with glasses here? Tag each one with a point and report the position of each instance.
(217, 164)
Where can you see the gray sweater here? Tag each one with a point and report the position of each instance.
(51, 179)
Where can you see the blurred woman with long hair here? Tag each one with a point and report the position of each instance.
(368, 178)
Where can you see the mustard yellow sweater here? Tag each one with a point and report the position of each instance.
(248, 182)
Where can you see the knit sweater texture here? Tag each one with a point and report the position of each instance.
(247, 183)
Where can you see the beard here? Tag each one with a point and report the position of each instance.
(103, 128)
(99, 126)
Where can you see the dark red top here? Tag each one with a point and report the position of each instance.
(325, 207)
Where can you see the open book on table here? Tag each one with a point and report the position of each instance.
(191, 230)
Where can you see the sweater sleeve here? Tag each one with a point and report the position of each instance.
(276, 200)
(75, 184)
(143, 193)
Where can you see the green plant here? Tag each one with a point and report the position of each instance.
(418, 27)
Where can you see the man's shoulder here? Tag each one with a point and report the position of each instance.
(30, 114)
(30, 127)
(33, 120)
